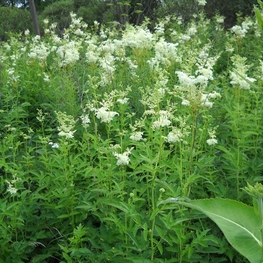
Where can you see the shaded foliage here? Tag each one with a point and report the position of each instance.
(15, 20)
(58, 12)
(230, 9)
(130, 11)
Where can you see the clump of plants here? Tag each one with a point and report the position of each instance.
(100, 125)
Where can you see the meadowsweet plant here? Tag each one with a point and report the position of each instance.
(99, 125)
(66, 125)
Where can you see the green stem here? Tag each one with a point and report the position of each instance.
(152, 239)
(181, 168)
(236, 130)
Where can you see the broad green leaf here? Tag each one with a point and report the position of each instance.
(259, 17)
(238, 221)
(259, 14)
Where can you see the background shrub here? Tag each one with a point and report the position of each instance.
(13, 20)
(58, 12)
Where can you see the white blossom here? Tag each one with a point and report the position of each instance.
(162, 120)
(185, 80)
(136, 136)
(241, 81)
(239, 31)
(11, 189)
(185, 102)
(239, 74)
(211, 141)
(27, 32)
(68, 53)
(104, 115)
(123, 158)
(123, 101)
(85, 120)
(66, 125)
(174, 136)
(220, 19)
(67, 134)
(54, 145)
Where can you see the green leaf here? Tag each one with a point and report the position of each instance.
(80, 252)
(155, 212)
(139, 260)
(238, 221)
(117, 204)
(259, 14)
(259, 17)
(260, 3)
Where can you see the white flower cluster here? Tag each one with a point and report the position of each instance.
(39, 51)
(77, 25)
(138, 37)
(163, 120)
(219, 19)
(205, 99)
(195, 95)
(136, 136)
(66, 125)
(85, 120)
(241, 30)
(165, 53)
(239, 75)
(174, 136)
(123, 158)
(212, 140)
(105, 115)
(53, 145)
(92, 55)
(11, 188)
(68, 53)
(123, 100)
(187, 81)
(12, 76)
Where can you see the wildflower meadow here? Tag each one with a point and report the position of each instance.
(102, 124)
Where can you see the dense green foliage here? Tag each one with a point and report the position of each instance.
(240, 223)
(131, 11)
(13, 21)
(100, 124)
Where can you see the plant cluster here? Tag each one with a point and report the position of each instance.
(100, 125)
(16, 16)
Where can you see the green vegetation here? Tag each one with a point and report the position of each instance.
(106, 12)
(102, 124)
(240, 223)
